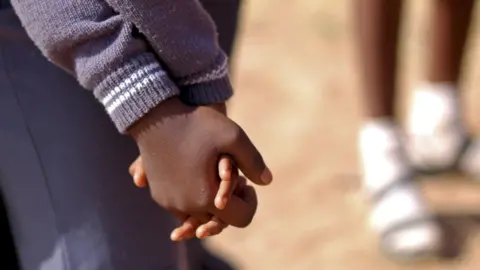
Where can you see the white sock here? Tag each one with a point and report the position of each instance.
(435, 128)
(384, 162)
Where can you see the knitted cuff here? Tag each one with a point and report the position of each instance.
(209, 87)
(138, 86)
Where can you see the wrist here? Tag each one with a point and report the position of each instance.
(168, 109)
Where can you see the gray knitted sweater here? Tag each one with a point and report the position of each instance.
(133, 54)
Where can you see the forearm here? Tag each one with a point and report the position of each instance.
(183, 35)
(91, 41)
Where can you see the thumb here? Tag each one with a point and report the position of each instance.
(247, 158)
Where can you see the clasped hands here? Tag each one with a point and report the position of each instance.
(192, 156)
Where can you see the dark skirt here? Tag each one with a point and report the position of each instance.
(70, 202)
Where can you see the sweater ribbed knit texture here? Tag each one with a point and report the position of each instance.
(133, 54)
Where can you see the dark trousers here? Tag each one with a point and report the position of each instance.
(68, 199)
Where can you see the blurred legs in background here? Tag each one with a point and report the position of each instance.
(399, 213)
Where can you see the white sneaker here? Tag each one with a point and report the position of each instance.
(438, 140)
(399, 213)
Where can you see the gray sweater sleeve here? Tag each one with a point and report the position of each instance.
(99, 47)
(184, 36)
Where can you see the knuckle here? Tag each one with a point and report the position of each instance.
(234, 134)
(187, 206)
(204, 202)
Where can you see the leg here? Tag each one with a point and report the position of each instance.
(377, 23)
(451, 22)
(435, 123)
(64, 175)
(399, 213)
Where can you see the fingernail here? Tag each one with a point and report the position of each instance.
(200, 233)
(219, 203)
(174, 236)
(266, 176)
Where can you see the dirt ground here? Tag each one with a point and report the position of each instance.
(297, 96)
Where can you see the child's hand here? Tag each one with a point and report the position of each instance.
(193, 227)
(230, 183)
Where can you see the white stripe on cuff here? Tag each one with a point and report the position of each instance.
(126, 95)
(138, 74)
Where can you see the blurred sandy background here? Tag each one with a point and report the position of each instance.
(297, 96)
